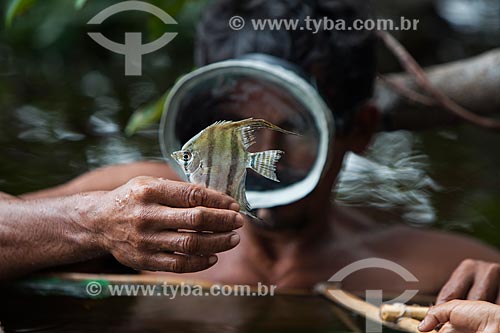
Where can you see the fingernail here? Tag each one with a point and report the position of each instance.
(234, 240)
(234, 206)
(240, 220)
(212, 260)
(422, 324)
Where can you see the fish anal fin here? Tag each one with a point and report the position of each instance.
(249, 214)
(264, 163)
(245, 208)
(241, 197)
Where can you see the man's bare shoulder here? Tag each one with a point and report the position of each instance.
(441, 243)
(424, 240)
(432, 255)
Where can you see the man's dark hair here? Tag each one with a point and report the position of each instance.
(342, 62)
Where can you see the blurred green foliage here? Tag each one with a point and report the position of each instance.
(18, 7)
(65, 100)
(146, 116)
(58, 21)
(15, 8)
(80, 3)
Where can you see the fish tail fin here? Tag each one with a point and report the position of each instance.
(264, 163)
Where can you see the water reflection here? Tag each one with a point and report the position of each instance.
(36, 125)
(142, 93)
(6, 61)
(95, 84)
(114, 150)
(187, 314)
(103, 125)
(471, 15)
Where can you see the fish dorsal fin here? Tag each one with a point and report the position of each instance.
(218, 123)
(264, 163)
(248, 127)
(247, 136)
(204, 132)
(221, 122)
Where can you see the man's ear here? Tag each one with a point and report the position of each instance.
(365, 125)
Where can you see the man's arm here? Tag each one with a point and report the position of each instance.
(106, 179)
(465, 268)
(146, 224)
(43, 233)
(476, 271)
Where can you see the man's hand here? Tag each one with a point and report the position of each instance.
(161, 225)
(472, 280)
(463, 317)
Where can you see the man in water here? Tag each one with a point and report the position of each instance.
(137, 220)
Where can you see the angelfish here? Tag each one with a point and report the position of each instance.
(218, 157)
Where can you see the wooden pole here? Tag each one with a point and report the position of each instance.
(393, 312)
(365, 309)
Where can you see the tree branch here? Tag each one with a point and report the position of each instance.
(471, 84)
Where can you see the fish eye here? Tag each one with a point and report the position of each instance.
(186, 156)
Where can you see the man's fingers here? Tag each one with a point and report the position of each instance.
(457, 287)
(428, 324)
(439, 314)
(198, 219)
(193, 243)
(184, 195)
(448, 328)
(497, 301)
(177, 263)
(485, 286)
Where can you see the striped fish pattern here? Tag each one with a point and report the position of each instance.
(218, 157)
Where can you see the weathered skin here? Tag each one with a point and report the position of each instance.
(463, 316)
(137, 223)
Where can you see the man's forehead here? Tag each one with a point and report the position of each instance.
(261, 99)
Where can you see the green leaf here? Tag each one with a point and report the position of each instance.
(145, 116)
(16, 8)
(79, 4)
